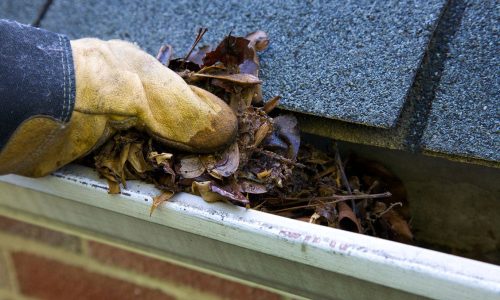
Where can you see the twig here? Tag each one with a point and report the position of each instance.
(280, 158)
(338, 198)
(259, 205)
(375, 184)
(201, 32)
(292, 208)
(343, 177)
(389, 208)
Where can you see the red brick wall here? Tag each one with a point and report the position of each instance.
(41, 263)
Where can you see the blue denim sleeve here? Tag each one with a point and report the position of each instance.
(36, 76)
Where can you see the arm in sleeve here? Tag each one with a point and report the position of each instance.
(37, 98)
(37, 77)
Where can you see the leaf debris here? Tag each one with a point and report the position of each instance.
(266, 168)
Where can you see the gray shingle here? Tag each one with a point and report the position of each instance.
(349, 61)
(465, 116)
(23, 11)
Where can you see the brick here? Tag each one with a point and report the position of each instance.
(166, 271)
(44, 278)
(4, 272)
(41, 234)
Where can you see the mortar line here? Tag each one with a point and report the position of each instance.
(14, 243)
(124, 245)
(84, 246)
(11, 270)
(7, 295)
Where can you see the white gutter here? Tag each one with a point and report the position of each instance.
(266, 245)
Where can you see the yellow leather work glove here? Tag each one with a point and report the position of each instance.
(118, 86)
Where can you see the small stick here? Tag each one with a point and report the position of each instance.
(344, 198)
(201, 32)
(280, 158)
(292, 208)
(374, 185)
(389, 208)
(343, 177)
(339, 197)
(260, 204)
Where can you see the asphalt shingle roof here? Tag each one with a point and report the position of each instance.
(465, 115)
(399, 74)
(24, 11)
(354, 62)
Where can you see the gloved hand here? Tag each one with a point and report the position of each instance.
(118, 86)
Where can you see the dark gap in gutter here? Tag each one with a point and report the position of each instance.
(41, 13)
(428, 77)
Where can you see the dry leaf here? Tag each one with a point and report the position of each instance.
(160, 158)
(263, 174)
(113, 187)
(209, 161)
(165, 196)
(228, 164)
(165, 54)
(241, 79)
(399, 227)
(266, 168)
(191, 166)
(204, 190)
(325, 215)
(328, 213)
(252, 187)
(347, 219)
(271, 104)
(261, 133)
(231, 52)
(198, 55)
(286, 135)
(212, 193)
(136, 158)
(233, 195)
(258, 40)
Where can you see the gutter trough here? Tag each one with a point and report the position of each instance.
(273, 252)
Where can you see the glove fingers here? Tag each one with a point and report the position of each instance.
(104, 85)
(176, 113)
(119, 80)
(207, 132)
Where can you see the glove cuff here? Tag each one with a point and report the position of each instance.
(41, 145)
(36, 77)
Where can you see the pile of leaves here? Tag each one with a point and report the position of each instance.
(266, 168)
